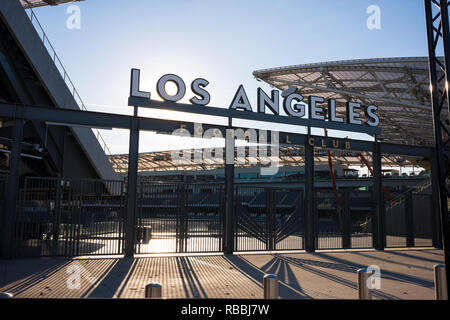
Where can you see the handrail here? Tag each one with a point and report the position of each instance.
(66, 78)
(402, 197)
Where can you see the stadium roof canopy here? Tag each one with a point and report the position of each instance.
(289, 155)
(39, 3)
(399, 86)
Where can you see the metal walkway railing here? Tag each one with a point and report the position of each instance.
(37, 25)
(398, 200)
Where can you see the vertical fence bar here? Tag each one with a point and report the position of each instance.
(310, 230)
(133, 158)
(409, 216)
(229, 181)
(435, 218)
(346, 219)
(57, 217)
(378, 221)
(182, 199)
(269, 217)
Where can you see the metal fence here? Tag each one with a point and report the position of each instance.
(344, 222)
(70, 217)
(361, 209)
(179, 218)
(409, 221)
(329, 224)
(3, 184)
(87, 217)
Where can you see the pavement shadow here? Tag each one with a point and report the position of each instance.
(310, 266)
(114, 277)
(384, 273)
(191, 284)
(410, 256)
(365, 255)
(16, 280)
(289, 288)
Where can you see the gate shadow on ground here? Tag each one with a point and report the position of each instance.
(289, 288)
(384, 274)
(114, 277)
(429, 251)
(115, 281)
(21, 281)
(191, 283)
(365, 255)
(410, 256)
(309, 266)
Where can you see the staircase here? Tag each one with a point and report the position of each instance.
(37, 25)
(30, 37)
(399, 199)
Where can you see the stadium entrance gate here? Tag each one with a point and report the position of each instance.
(70, 217)
(179, 218)
(87, 217)
(185, 218)
(268, 218)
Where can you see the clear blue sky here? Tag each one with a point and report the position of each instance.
(222, 41)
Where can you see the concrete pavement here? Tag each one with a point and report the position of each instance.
(406, 274)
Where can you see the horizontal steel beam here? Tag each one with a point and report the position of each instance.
(246, 115)
(99, 119)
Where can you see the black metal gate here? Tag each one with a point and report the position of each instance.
(345, 224)
(70, 217)
(268, 218)
(409, 220)
(178, 218)
(86, 217)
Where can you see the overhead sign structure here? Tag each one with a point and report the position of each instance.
(321, 113)
(293, 105)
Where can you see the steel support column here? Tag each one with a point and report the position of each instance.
(435, 218)
(437, 27)
(228, 236)
(12, 192)
(182, 219)
(378, 221)
(409, 217)
(133, 157)
(270, 214)
(56, 217)
(347, 220)
(310, 232)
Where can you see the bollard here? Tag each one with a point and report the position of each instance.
(440, 282)
(364, 293)
(147, 234)
(270, 286)
(153, 290)
(6, 295)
